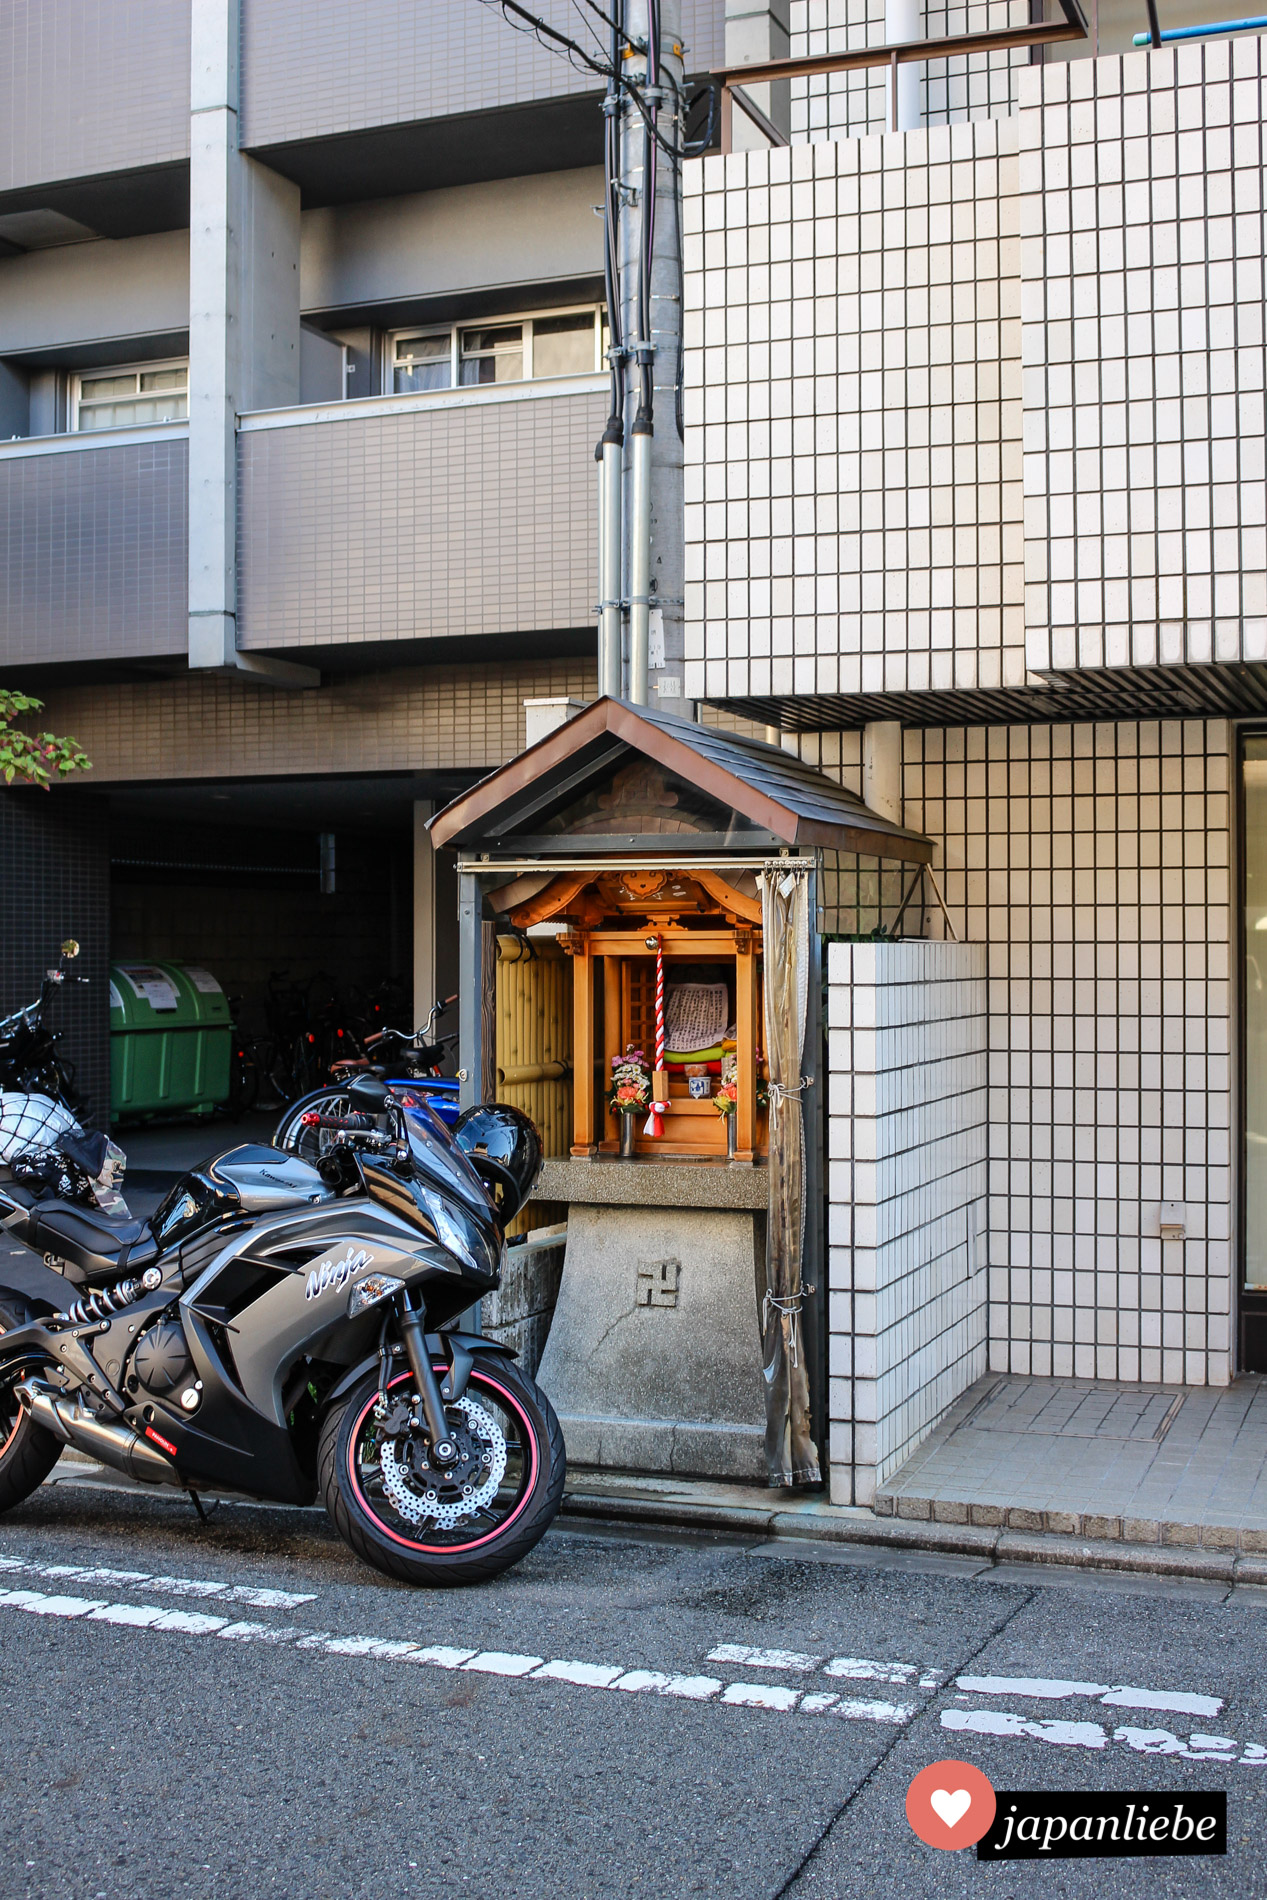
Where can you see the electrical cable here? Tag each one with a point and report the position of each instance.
(542, 31)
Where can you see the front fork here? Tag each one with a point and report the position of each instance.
(413, 1333)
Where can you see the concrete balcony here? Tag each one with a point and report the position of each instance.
(94, 546)
(398, 521)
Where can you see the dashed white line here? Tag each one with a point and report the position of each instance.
(762, 1658)
(1175, 1702)
(259, 1599)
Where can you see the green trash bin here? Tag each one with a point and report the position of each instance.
(169, 1040)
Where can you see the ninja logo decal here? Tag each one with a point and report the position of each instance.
(335, 1274)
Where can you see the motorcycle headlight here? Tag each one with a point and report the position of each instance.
(449, 1232)
(372, 1291)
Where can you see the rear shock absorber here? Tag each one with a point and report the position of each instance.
(108, 1300)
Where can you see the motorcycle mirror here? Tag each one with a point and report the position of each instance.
(368, 1093)
(70, 948)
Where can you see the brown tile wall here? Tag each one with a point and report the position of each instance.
(420, 719)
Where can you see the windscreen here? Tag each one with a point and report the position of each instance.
(440, 1162)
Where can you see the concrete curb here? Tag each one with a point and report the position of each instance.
(990, 1546)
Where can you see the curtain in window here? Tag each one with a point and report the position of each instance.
(791, 1456)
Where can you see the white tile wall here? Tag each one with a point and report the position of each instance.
(853, 444)
(907, 1183)
(1093, 863)
(840, 105)
(875, 330)
(1142, 264)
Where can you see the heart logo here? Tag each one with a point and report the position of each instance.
(949, 1807)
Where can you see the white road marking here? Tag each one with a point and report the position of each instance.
(259, 1599)
(894, 1712)
(761, 1695)
(860, 1669)
(761, 1658)
(653, 1682)
(1012, 1727)
(495, 1662)
(1174, 1701)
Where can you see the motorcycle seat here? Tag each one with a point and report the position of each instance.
(90, 1240)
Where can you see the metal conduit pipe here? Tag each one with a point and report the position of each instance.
(640, 559)
(610, 450)
(612, 504)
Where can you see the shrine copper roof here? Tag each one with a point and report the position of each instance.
(773, 790)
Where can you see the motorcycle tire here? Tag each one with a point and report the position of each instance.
(27, 1452)
(421, 1551)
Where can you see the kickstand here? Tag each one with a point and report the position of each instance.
(205, 1515)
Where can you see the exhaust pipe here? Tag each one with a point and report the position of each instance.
(115, 1445)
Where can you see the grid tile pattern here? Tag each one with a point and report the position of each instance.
(952, 91)
(316, 67)
(906, 1150)
(419, 719)
(1145, 368)
(93, 553)
(55, 877)
(462, 521)
(1201, 1482)
(91, 86)
(853, 452)
(1095, 863)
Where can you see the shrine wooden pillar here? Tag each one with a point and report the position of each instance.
(746, 1046)
(577, 945)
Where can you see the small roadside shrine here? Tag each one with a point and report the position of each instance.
(643, 902)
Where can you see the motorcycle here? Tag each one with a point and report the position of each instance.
(288, 1330)
(39, 1105)
(409, 1064)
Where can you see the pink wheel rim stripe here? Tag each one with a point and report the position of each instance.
(445, 1550)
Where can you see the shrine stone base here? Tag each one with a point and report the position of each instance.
(653, 1362)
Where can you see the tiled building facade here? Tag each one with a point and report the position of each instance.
(975, 444)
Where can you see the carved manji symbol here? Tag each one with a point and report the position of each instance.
(658, 1282)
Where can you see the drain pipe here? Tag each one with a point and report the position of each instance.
(640, 558)
(611, 492)
(644, 423)
(610, 451)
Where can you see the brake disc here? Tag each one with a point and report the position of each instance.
(435, 1492)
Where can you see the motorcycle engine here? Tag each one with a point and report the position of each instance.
(161, 1361)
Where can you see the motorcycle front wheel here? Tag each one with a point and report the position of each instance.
(441, 1527)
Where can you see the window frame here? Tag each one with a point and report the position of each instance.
(124, 369)
(526, 319)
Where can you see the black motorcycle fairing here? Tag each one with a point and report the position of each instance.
(196, 1201)
(474, 1246)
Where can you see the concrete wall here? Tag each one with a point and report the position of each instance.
(113, 288)
(93, 549)
(906, 1144)
(455, 516)
(91, 86)
(317, 67)
(439, 243)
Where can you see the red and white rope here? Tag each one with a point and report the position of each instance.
(655, 1121)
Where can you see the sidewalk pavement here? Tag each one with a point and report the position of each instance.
(1159, 1479)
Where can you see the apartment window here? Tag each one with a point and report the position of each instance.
(512, 350)
(125, 398)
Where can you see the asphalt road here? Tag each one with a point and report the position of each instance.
(249, 1713)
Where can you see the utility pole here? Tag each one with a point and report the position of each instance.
(649, 238)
